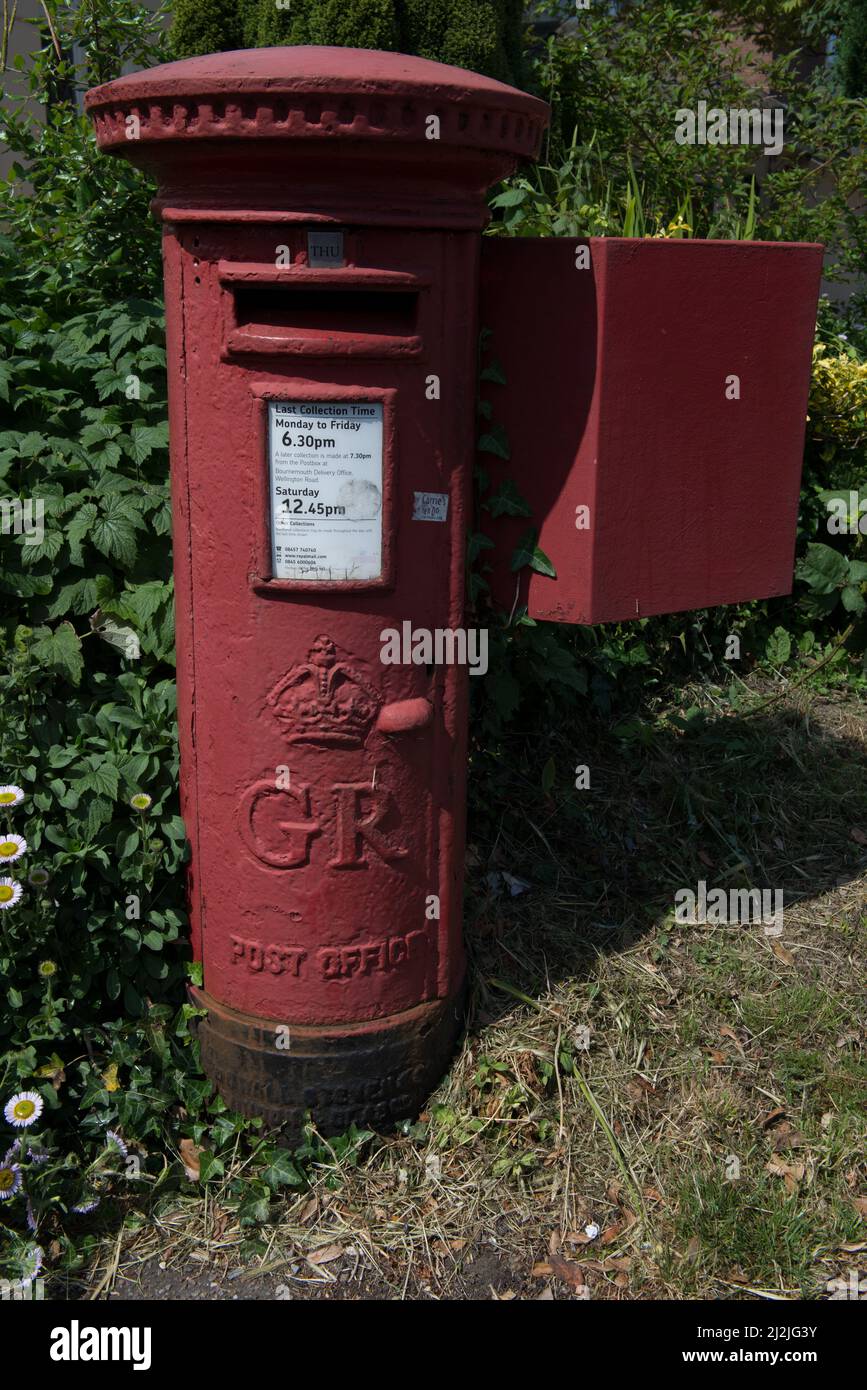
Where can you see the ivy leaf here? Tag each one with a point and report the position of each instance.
(495, 441)
(527, 552)
(493, 372)
(282, 1172)
(507, 501)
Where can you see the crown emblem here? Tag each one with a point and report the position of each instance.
(324, 700)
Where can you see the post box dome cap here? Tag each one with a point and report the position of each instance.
(298, 92)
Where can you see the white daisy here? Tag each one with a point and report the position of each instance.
(114, 1138)
(11, 796)
(32, 1263)
(10, 893)
(11, 847)
(23, 1109)
(10, 1181)
(84, 1207)
(141, 801)
(38, 877)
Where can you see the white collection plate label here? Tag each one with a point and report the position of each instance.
(326, 490)
(430, 506)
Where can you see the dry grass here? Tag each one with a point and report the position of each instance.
(709, 1046)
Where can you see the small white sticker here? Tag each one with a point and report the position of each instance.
(325, 248)
(430, 506)
(326, 490)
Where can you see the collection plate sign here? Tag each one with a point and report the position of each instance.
(326, 490)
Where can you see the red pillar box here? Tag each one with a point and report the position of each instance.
(655, 409)
(322, 210)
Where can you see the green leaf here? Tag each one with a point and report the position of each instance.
(101, 776)
(493, 372)
(778, 648)
(282, 1172)
(495, 441)
(114, 531)
(823, 569)
(507, 501)
(60, 649)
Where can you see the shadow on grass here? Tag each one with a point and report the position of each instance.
(775, 801)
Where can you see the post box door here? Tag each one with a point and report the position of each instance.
(324, 772)
(655, 406)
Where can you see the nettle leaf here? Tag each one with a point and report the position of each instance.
(5, 378)
(60, 649)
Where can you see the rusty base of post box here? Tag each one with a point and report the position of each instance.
(376, 1073)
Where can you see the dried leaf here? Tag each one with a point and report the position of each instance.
(191, 1159)
(571, 1273)
(325, 1254)
(782, 953)
(773, 1116)
(860, 1205)
(858, 835)
(791, 1173)
(109, 1078)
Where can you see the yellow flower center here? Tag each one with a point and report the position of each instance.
(6, 798)
(5, 893)
(8, 847)
(23, 1109)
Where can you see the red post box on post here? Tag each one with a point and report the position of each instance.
(322, 210)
